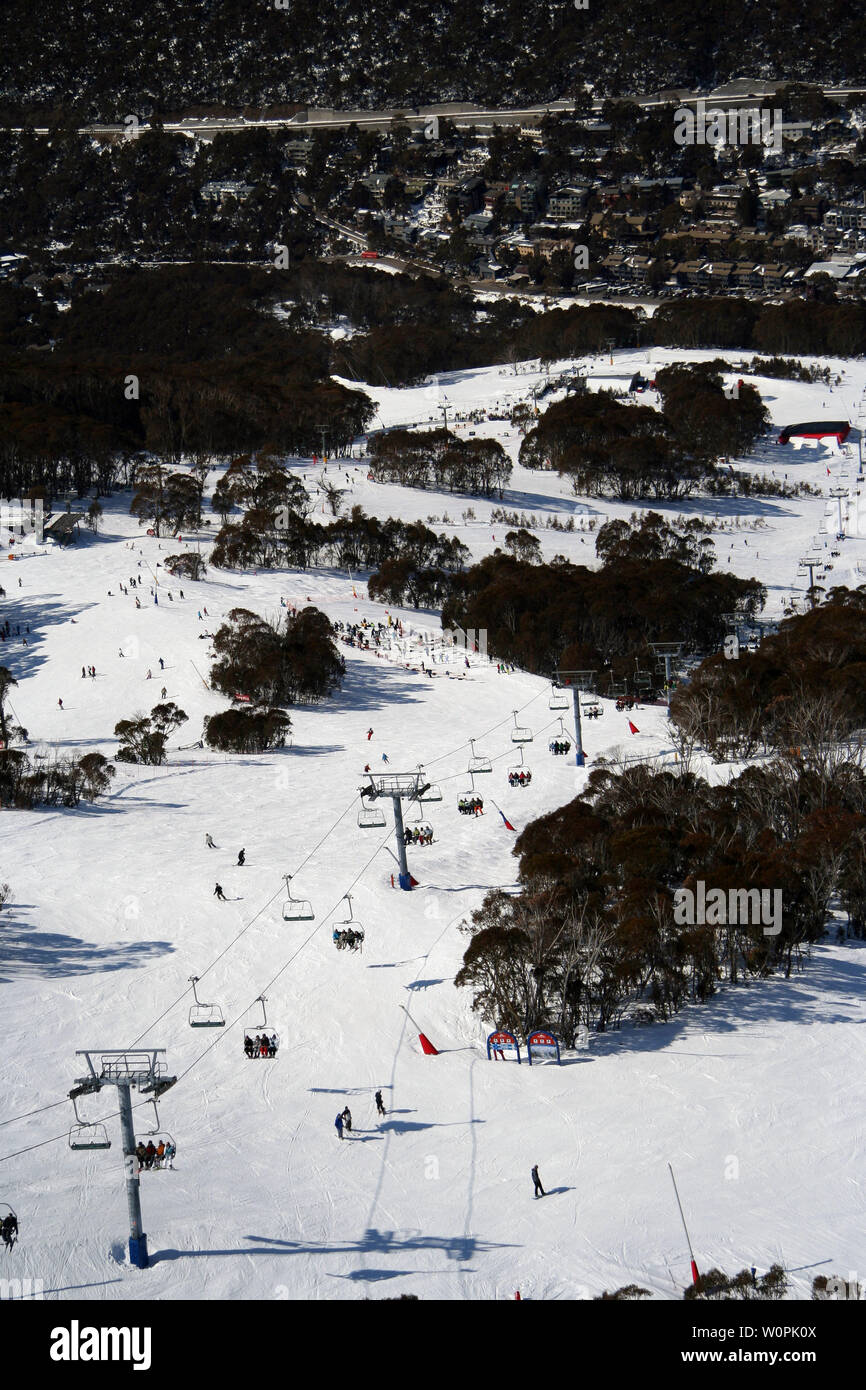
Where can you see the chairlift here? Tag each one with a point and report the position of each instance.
(559, 739)
(155, 1136)
(558, 698)
(350, 932)
(430, 791)
(204, 1015)
(296, 909)
(259, 1027)
(9, 1225)
(478, 763)
(84, 1135)
(371, 818)
(515, 769)
(520, 734)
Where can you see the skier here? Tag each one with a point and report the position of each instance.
(242, 858)
(385, 758)
(9, 1228)
(208, 839)
(539, 1190)
(82, 673)
(149, 676)
(163, 693)
(218, 893)
(380, 1105)
(338, 1125)
(161, 664)
(347, 1119)
(120, 651)
(60, 703)
(369, 734)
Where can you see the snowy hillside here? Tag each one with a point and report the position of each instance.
(112, 910)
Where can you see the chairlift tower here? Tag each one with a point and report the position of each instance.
(400, 786)
(128, 1071)
(667, 651)
(578, 680)
(839, 491)
(810, 563)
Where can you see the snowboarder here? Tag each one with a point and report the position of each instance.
(208, 839)
(242, 858)
(338, 1125)
(347, 1119)
(539, 1190)
(218, 893)
(380, 1105)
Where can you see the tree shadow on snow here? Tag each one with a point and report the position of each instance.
(49, 955)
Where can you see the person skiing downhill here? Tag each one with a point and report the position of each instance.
(208, 839)
(338, 1125)
(347, 1119)
(539, 1190)
(218, 893)
(242, 857)
(369, 734)
(380, 1105)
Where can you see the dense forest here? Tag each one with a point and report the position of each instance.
(206, 362)
(105, 61)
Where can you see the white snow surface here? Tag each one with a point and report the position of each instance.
(753, 1097)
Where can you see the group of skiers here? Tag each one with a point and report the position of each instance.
(520, 779)
(261, 1045)
(418, 835)
(154, 1155)
(6, 632)
(344, 1119)
(88, 671)
(351, 939)
(471, 806)
(625, 702)
(560, 746)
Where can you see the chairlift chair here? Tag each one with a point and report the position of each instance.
(254, 1027)
(517, 768)
(296, 909)
(204, 1015)
(430, 791)
(520, 734)
(10, 1211)
(478, 763)
(84, 1135)
(371, 818)
(558, 698)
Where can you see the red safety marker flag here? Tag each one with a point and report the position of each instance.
(426, 1046)
(633, 728)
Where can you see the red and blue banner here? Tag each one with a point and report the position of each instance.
(503, 1047)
